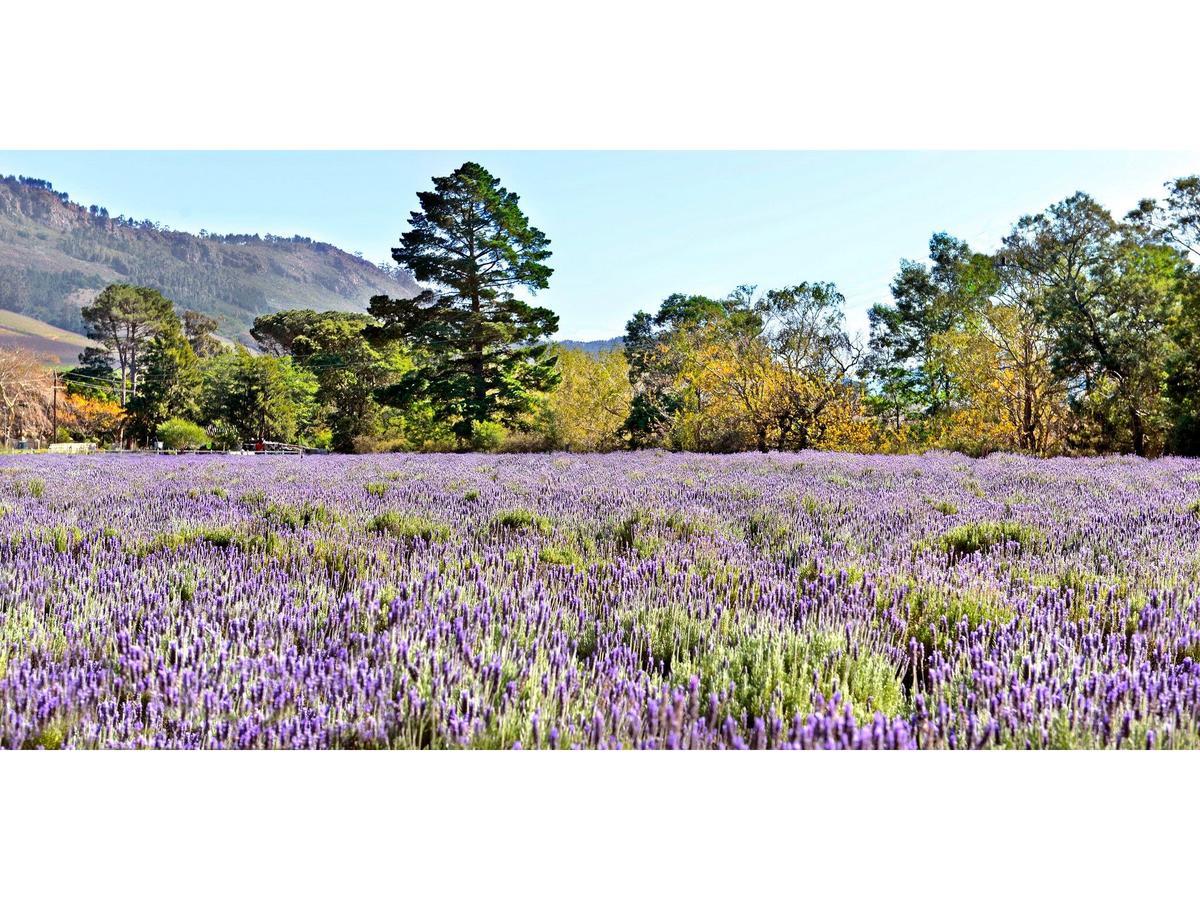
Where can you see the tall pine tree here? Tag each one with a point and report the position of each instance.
(479, 350)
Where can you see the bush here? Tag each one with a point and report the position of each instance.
(487, 436)
(297, 517)
(766, 529)
(522, 518)
(927, 606)
(180, 434)
(403, 527)
(369, 443)
(34, 487)
(983, 536)
(558, 556)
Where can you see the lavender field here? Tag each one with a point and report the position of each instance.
(621, 601)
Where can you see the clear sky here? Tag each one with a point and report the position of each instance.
(629, 228)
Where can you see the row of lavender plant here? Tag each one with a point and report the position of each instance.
(632, 600)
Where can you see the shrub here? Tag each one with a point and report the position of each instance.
(760, 669)
(766, 529)
(974, 537)
(365, 443)
(927, 606)
(518, 519)
(684, 527)
(51, 736)
(34, 487)
(64, 537)
(487, 436)
(180, 434)
(559, 556)
(973, 486)
(409, 528)
(945, 507)
(172, 540)
(297, 517)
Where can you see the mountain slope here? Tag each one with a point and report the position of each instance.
(56, 255)
(55, 344)
(594, 347)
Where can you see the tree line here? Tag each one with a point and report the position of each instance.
(1080, 334)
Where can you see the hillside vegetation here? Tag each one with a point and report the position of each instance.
(56, 255)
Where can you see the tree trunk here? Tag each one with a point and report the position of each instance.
(1027, 423)
(1138, 430)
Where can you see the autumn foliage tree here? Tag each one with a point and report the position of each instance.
(89, 417)
(771, 371)
(587, 410)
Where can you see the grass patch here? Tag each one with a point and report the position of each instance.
(63, 537)
(197, 493)
(172, 540)
(765, 666)
(973, 486)
(51, 736)
(634, 533)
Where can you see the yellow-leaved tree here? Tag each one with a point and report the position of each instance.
(589, 407)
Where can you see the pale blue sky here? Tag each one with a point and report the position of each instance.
(629, 228)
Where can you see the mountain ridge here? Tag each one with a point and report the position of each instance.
(55, 255)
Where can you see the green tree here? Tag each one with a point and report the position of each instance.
(803, 329)
(257, 398)
(587, 410)
(1183, 370)
(1176, 220)
(348, 369)
(94, 376)
(170, 384)
(200, 331)
(928, 301)
(479, 351)
(124, 319)
(1109, 299)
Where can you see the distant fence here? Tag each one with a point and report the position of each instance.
(80, 448)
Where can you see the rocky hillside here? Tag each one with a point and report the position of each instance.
(55, 255)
